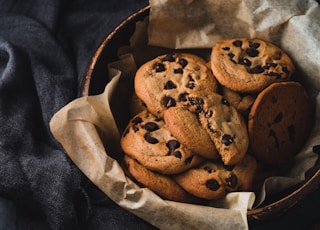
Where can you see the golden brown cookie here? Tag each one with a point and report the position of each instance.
(162, 185)
(279, 122)
(212, 179)
(224, 124)
(185, 126)
(147, 139)
(165, 81)
(249, 65)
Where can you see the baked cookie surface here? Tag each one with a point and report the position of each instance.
(212, 179)
(249, 65)
(224, 124)
(185, 126)
(163, 185)
(147, 139)
(279, 122)
(165, 81)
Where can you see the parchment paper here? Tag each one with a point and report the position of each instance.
(89, 128)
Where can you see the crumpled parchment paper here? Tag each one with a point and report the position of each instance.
(89, 128)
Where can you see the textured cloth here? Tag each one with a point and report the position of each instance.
(45, 47)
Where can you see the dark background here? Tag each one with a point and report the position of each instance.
(45, 47)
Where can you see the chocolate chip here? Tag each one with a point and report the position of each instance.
(316, 149)
(252, 52)
(278, 118)
(137, 120)
(212, 185)
(183, 62)
(226, 48)
(190, 78)
(135, 128)
(285, 70)
(178, 71)
(256, 70)
(209, 169)
(197, 102)
(232, 181)
(183, 97)
(159, 67)
(188, 160)
(150, 139)
(274, 74)
(274, 99)
(225, 102)
(229, 167)
(177, 154)
(170, 85)
(244, 61)
(237, 43)
(230, 55)
(173, 144)
(270, 64)
(274, 135)
(198, 109)
(191, 83)
(168, 102)
(150, 126)
(254, 45)
(226, 140)
(169, 58)
(292, 133)
(208, 113)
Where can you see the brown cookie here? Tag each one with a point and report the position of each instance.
(185, 126)
(279, 122)
(165, 81)
(162, 185)
(147, 139)
(212, 179)
(249, 65)
(225, 126)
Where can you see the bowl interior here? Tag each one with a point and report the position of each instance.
(96, 78)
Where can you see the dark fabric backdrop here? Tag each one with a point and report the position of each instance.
(45, 46)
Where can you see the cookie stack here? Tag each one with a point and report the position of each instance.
(197, 132)
(256, 77)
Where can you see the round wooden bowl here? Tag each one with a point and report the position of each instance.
(95, 80)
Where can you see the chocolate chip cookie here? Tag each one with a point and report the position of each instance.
(224, 124)
(212, 179)
(249, 65)
(279, 122)
(147, 139)
(162, 185)
(165, 81)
